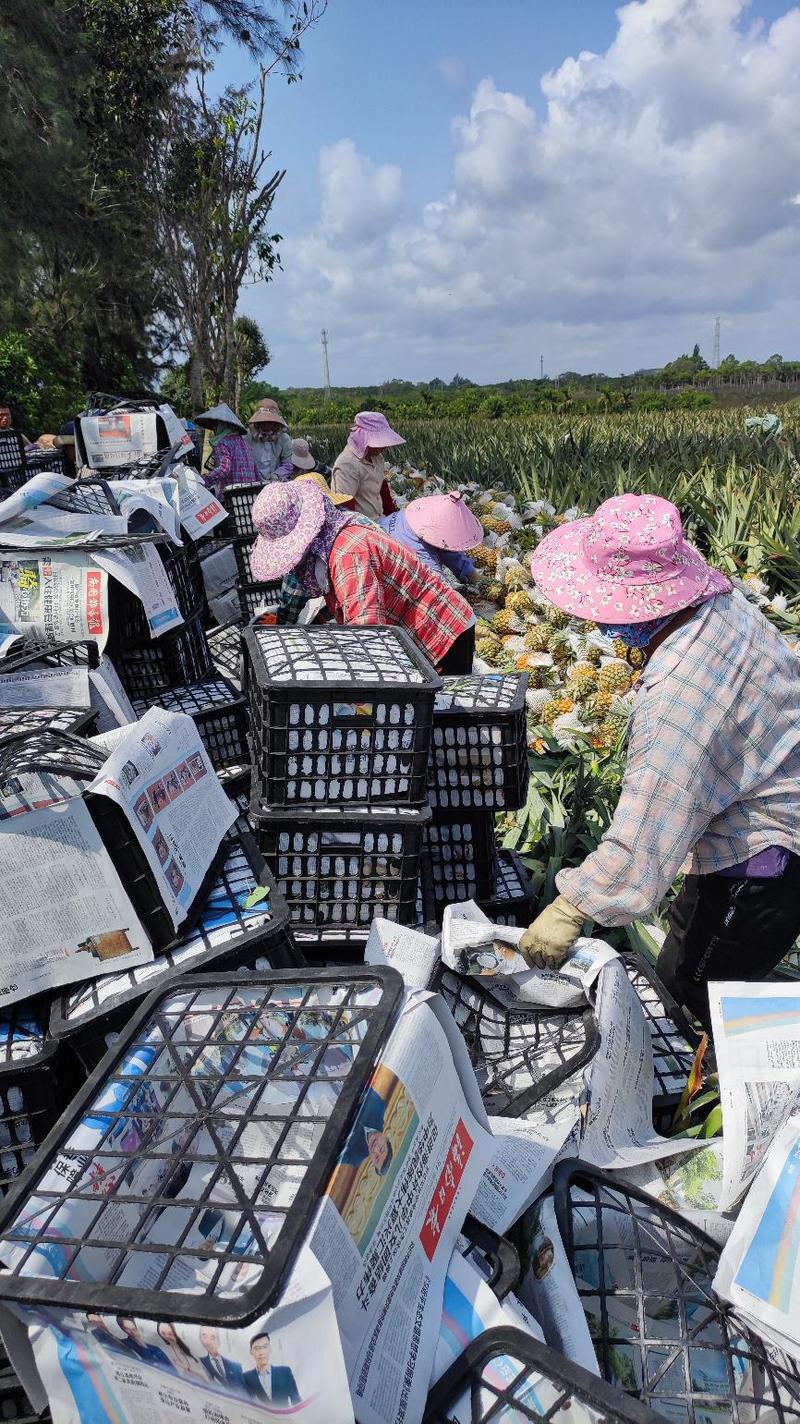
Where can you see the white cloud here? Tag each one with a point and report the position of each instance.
(658, 189)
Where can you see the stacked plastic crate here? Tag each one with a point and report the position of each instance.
(478, 769)
(253, 596)
(340, 721)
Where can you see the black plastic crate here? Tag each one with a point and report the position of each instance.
(80, 654)
(645, 1279)
(674, 1040)
(225, 644)
(31, 1095)
(175, 659)
(90, 495)
(789, 967)
(254, 597)
(462, 850)
(219, 710)
(505, 1376)
(13, 469)
(339, 715)
(239, 500)
(242, 549)
(41, 750)
(228, 936)
(14, 1403)
(127, 620)
(519, 1056)
(337, 874)
(225, 1103)
(494, 1256)
(513, 900)
(51, 462)
(479, 750)
(16, 721)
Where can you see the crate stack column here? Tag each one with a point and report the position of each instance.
(239, 501)
(340, 723)
(478, 769)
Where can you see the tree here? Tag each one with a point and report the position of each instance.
(252, 353)
(459, 383)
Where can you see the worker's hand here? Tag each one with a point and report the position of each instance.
(474, 577)
(545, 943)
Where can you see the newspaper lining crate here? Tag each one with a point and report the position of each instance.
(462, 851)
(337, 875)
(127, 620)
(225, 644)
(242, 549)
(255, 597)
(228, 936)
(219, 712)
(30, 1096)
(645, 1280)
(239, 500)
(674, 1040)
(506, 1374)
(479, 753)
(339, 715)
(175, 659)
(242, 1083)
(519, 1056)
(513, 900)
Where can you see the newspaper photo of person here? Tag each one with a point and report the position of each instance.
(375, 1150)
(265, 1382)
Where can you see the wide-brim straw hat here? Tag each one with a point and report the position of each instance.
(629, 562)
(444, 521)
(302, 458)
(219, 415)
(267, 413)
(288, 517)
(321, 483)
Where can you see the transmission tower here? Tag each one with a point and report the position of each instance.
(327, 367)
(715, 362)
(541, 368)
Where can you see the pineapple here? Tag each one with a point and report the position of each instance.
(537, 638)
(611, 730)
(484, 558)
(582, 680)
(495, 526)
(599, 705)
(494, 592)
(620, 649)
(556, 707)
(556, 617)
(541, 677)
(488, 648)
(614, 677)
(520, 602)
(560, 650)
(507, 621)
(517, 577)
(593, 656)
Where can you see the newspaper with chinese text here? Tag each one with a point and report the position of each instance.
(52, 598)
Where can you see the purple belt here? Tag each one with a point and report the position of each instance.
(766, 865)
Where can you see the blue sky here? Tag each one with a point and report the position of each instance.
(442, 212)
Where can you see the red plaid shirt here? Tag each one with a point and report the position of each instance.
(376, 580)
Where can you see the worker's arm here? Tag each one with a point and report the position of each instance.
(355, 580)
(659, 818)
(458, 564)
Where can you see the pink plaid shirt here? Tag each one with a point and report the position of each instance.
(234, 464)
(713, 763)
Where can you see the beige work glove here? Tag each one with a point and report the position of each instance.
(545, 943)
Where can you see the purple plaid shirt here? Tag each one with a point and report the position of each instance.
(713, 763)
(234, 464)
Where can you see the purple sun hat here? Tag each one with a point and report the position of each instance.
(629, 562)
(288, 517)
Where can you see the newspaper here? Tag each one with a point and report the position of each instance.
(393, 1209)
(121, 437)
(176, 430)
(52, 598)
(34, 492)
(109, 698)
(40, 686)
(200, 510)
(548, 1288)
(412, 954)
(472, 945)
(618, 1125)
(140, 569)
(525, 1150)
(689, 1184)
(161, 776)
(158, 499)
(64, 910)
(46, 527)
(757, 1045)
(759, 1269)
(99, 1369)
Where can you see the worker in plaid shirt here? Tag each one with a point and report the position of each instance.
(365, 577)
(713, 768)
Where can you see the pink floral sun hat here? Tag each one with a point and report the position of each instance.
(629, 562)
(444, 521)
(372, 431)
(288, 518)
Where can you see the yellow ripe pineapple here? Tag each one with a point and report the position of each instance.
(614, 677)
(518, 578)
(520, 602)
(620, 649)
(593, 656)
(556, 707)
(599, 705)
(611, 729)
(484, 557)
(489, 649)
(556, 617)
(538, 638)
(507, 621)
(493, 525)
(494, 591)
(582, 680)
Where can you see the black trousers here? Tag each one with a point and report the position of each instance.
(459, 656)
(723, 928)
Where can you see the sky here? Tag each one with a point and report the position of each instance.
(472, 185)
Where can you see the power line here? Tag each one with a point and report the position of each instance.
(327, 367)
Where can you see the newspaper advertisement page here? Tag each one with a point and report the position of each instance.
(618, 1128)
(690, 1184)
(66, 916)
(412, 954)
(101, 1369)
(548, 1288)
(392, 1212)
(140, 568)
(525, 1150)
(39, 686)
(161, 776)
(200, 510)
(759, 1269)
(757, 1046)
(121, 437)
(156, 498)
(52, 598)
